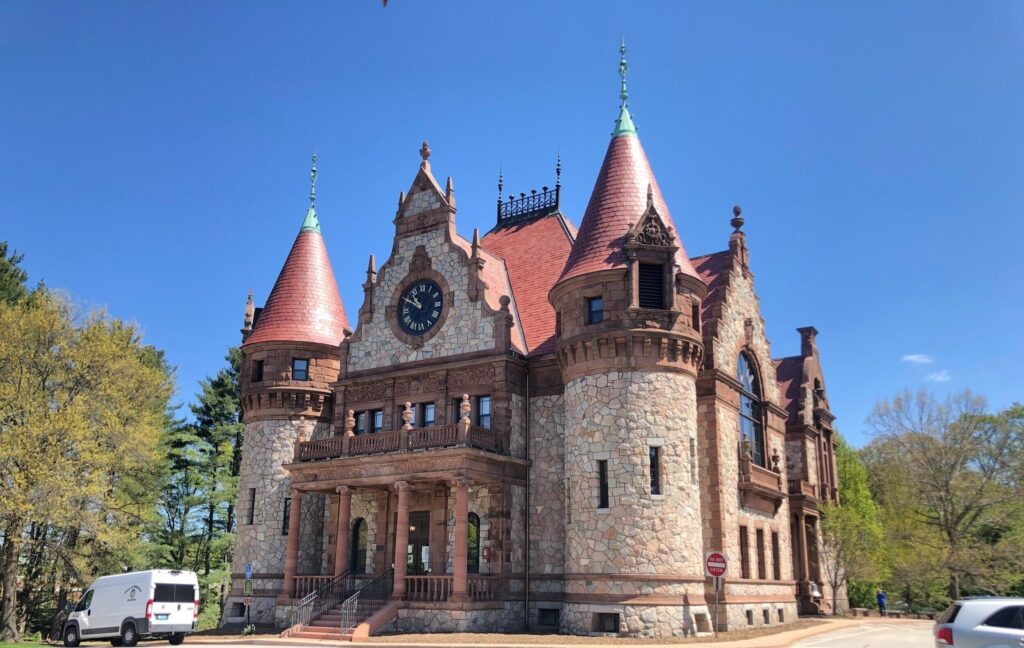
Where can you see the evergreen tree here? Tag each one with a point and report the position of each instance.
(12, 277)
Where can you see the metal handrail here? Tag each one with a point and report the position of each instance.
(322, 599)
(367, 600)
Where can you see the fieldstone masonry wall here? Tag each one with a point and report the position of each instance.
(547, 489)
(266, 447)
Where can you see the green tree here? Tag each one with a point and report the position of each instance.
(82, 408)
(955, 470)
(12, 277)
(851, 534)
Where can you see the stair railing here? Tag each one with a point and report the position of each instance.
(322, 599)
(366, 601)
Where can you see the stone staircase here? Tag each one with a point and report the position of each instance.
(369, 604)
(327, 627)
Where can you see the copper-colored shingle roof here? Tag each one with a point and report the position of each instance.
(713, 269)
(534, 253)
(304, 305)
(617, 202)
(790, 372)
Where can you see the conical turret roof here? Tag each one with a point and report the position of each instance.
(304, 305)
(618, 201)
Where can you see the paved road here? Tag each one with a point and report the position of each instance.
(874, 635)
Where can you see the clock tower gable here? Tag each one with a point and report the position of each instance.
(438, 295)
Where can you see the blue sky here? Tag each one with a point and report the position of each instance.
(155, 155)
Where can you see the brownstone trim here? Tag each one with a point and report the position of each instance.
(694, 598)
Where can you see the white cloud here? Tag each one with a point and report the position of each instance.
(918, 359)
(940, 376)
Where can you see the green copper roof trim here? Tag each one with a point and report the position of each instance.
(311, 223)
(624, 124)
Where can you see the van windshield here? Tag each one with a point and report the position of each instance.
(171, 593)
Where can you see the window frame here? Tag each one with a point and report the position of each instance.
(257, 371)
(595, 316)
(250, 514)
(305, 370)
(751, 409)
(484, 420)
(421, 414)
(744, 552)
(762, 565)
(654, 455)
(603, 501)
(287, 513)
(376, 420)
(473, 550)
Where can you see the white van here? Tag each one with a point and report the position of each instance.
(156, 604)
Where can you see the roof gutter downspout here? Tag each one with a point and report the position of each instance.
(526, 561)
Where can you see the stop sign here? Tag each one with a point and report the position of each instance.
(714, 564)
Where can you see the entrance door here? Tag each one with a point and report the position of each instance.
(418, 555)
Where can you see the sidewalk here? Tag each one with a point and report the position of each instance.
(777, 640)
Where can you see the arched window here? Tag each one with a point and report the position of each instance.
(357, 553)
(751, 409)
(473, 559)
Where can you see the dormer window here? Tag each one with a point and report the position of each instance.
(300, 369)
(652, 286)
(595, 310)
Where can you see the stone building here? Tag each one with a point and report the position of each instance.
(544, 426)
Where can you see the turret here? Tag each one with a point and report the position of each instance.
(290, 358)
(629, 349)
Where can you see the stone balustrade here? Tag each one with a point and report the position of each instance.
(442, 436)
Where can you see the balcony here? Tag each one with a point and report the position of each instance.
(442, 436)
(760, 488)
(803, 487)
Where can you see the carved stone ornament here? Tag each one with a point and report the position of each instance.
(471, 376)
(365, 393)
(652, 231)
(420, 262)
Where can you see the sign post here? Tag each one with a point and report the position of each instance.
(715, 565)
(248, 590)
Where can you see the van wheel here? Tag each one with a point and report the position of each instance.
(176, 639)
(71, 637)
(129, 637)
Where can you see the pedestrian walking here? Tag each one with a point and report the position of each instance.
(881, 598)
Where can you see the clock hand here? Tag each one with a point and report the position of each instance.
(415, 302)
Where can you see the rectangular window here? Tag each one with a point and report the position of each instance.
(744, 553)
(287, 515)
(762, 571)
(251, 514)
(257, 371)
(378, 420)
(426, 417)
(483, 411)
(595, 310)
(776, 557)
(655, 470)
(360, 423)
(602, 483)
(652, 286)
(547, 617)
(300, 369)
(606, 622)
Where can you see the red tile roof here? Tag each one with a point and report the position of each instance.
(618, 201)
(534, 253)
(790, 374)
(714, 270)
(304, 305)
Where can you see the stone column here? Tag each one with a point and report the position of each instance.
(291, 555)
(460, 582)
(342, 542)
(401, 540)
(380, 561)
(805, 570)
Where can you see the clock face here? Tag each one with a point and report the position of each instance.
(419, 307)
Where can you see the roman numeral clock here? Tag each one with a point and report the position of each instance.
(420, 307)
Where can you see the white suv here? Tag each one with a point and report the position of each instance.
(982, 623)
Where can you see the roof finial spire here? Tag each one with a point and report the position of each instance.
(558, 170)
(624, 124)
(623, 68)
(312, 182)
(737, 218)
(312, 223)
